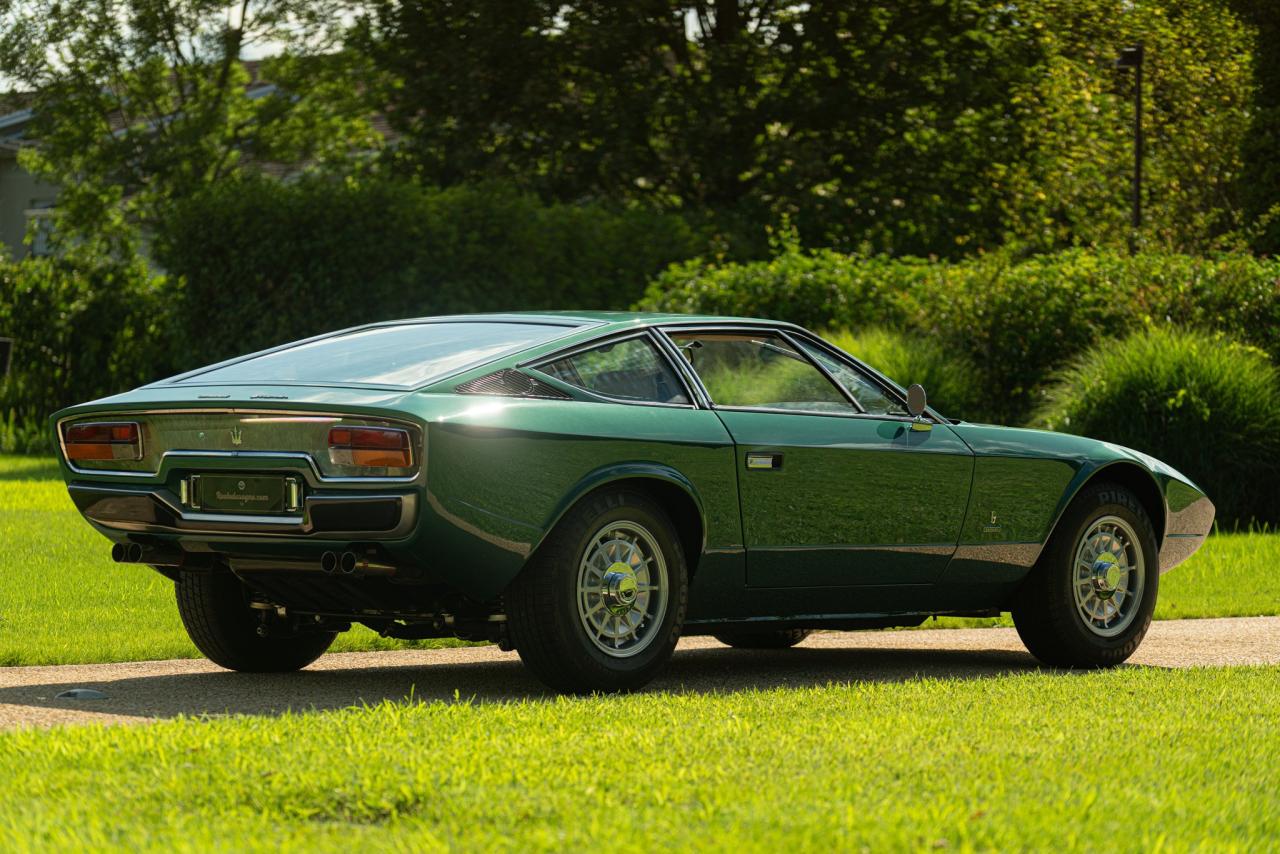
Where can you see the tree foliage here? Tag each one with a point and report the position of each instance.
(1260, 178)
(921, 126)
(140, 101)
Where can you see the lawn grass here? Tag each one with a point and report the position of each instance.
(63, 601)
(1126, 760)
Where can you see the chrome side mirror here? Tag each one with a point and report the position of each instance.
(916, 400)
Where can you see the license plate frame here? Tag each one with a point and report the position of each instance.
(250, 495)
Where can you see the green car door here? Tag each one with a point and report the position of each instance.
(838, 486)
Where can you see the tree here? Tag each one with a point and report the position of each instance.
(918, 126)
(141, 101)
(1260, 178)
(860, 121)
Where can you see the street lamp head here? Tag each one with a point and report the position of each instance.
(1130, 57)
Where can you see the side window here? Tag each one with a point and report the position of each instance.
(872, 398)
(631, 369)
(759, 369)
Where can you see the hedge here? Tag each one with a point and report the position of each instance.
(947, 377)
(1200, 402)
(266, 262)
(1016, 319)
(80, 331)
(256, 262)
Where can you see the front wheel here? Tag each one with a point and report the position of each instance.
(601, 605)
(219, 620)
(1088, 602)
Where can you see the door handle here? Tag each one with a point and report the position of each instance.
(763, 462)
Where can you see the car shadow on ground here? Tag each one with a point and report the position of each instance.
(504, 679)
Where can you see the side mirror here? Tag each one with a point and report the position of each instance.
(916, 400)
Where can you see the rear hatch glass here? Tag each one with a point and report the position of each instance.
(405, 355)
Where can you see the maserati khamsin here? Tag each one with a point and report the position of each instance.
(584, 488)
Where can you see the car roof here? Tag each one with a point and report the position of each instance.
(580, 327)
(618, 318)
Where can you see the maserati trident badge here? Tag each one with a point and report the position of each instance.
(237, 435)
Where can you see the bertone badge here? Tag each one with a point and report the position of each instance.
(237, 435)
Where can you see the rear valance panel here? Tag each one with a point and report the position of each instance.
(226, 432)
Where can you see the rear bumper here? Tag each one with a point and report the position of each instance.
(381, 515)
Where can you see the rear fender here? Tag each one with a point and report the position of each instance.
(615, 473)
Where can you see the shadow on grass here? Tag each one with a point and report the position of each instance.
(702, 670)
(41, 470)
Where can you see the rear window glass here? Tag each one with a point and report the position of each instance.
(406, 355)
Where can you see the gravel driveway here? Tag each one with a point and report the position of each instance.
(149, 690)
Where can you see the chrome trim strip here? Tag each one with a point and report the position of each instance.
(904, 419)
(877, 378)
(682, 367)
(315, 414)
(905, 548)
(240, 525)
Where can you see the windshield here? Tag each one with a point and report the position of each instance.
(407, 355)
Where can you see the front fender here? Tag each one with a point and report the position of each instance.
(1024, 480)
(1181, 513)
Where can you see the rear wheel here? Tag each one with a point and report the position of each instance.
(1088, 602)
(219, 620)
(601, 605)
(766, 639)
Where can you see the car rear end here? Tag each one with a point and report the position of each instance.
(301, 471)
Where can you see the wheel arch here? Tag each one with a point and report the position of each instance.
(1125, 473)
(666, 486)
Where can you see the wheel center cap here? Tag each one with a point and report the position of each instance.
(620, 588)
(1106, 575)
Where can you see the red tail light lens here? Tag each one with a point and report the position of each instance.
(380, 447)
(103, 441)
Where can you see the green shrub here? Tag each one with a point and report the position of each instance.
(1017, 319)
(81, 330)
(908, 358)
(266, 262)
(1204, 405)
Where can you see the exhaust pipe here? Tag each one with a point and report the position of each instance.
(126, 553)
(328, 563)
(345, 564)
(158, 556)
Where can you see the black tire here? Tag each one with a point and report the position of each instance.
(763, 639)
(542, 603)
(1045, 610)
(215, 611)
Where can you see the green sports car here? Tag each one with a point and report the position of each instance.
(586, 487)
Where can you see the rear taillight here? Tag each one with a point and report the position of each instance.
(380, 447)
(103, 441)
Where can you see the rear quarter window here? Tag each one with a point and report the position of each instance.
(631, 369)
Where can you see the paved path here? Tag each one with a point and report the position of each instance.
(151, 690)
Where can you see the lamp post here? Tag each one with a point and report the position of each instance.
(1132, 57)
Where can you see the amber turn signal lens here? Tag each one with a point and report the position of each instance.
(378, 447)
(103, 441)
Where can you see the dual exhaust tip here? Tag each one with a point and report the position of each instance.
(343, 562)
(126, 553)
(331, 563)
